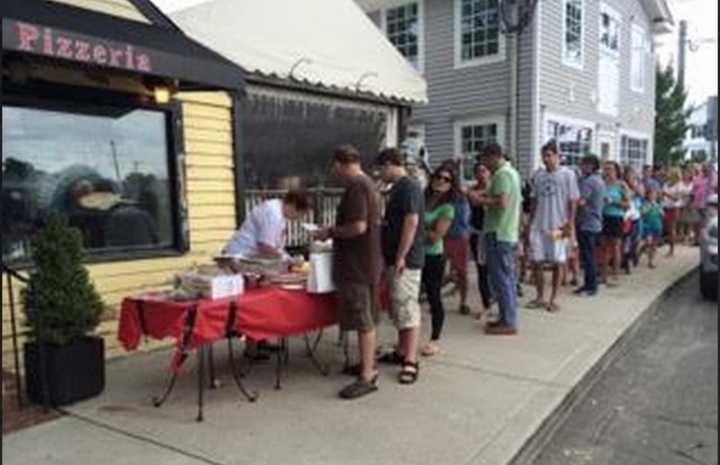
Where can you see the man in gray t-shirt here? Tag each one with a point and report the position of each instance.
(552, 218)
(589, 220)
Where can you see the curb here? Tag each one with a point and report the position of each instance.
(532, 448)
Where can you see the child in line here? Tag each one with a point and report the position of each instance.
(652, 219)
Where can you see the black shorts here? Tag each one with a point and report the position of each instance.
(613, 227)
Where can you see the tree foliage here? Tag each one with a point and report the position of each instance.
(671, 117)
(60, 301)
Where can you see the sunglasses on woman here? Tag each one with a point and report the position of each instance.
(441, 177)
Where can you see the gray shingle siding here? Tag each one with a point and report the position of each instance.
(484, 90)
(456, 94)
(526, 108)
(558, 81)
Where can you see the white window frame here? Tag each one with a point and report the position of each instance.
(497, 120)
(420, 31)
(614, 14)
(638, 136)
(459, 62)
(565, 61)
(568, 121)
(642, 65)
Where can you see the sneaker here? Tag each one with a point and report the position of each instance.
(501, 330)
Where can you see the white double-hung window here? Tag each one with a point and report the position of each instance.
(573, 33)
(472, 135)
(634, 151)
(609, 61)
(403, 27)
(609, 30)
(638, 61)
(477, 32)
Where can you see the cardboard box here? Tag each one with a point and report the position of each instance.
(212, 286)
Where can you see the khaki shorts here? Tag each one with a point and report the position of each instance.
(357, 306)
(546, 249)
(404, 298)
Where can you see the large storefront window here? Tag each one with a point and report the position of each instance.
(573, 141)
(105, 169)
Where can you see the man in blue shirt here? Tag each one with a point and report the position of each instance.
(589, 220)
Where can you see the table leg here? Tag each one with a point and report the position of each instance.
(158, 401)
(281, 358)
(201, 381)
(184, 349)
(344, 340)
(311, 350)
(237, 375)
(214, 382)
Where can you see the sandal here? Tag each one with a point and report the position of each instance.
(359, 388)
(430, 349)
(409, 372)
(391, 358)
(552, 307)
(535, 304)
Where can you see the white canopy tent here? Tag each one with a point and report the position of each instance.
(331, 43)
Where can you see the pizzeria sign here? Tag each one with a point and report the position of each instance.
(57, 43)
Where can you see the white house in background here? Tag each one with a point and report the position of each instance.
(581, 72)
(701, 137)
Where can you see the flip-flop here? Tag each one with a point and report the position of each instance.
(552, 307)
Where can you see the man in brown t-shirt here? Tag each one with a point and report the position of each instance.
(357, 263)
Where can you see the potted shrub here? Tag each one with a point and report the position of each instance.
(62, 310)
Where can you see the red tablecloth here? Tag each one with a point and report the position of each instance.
(260, 314)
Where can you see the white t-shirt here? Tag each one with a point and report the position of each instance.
(685, 192)
(265, 224)
(676, 190)
(552, 193)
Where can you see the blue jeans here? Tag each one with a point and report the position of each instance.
(501, 270)
(587, 241)
(631, 242)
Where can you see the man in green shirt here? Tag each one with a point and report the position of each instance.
(502, 223)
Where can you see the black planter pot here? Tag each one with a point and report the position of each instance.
(73, 372)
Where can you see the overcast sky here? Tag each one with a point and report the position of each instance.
(701, 66)
(701, 74)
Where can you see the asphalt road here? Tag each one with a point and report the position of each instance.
(658, 402)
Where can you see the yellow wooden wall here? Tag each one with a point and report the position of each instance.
(122, 8)
(211, 208)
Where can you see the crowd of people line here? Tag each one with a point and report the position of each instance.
(598, 217)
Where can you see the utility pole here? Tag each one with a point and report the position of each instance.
(682, 42)
(113, 152)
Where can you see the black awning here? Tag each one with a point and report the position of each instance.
(68, 33)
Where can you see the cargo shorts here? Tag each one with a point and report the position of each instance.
(358, 308)
(404, 297)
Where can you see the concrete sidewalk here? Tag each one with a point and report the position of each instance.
(477, 403)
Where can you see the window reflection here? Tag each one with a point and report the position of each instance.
(105, 170)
